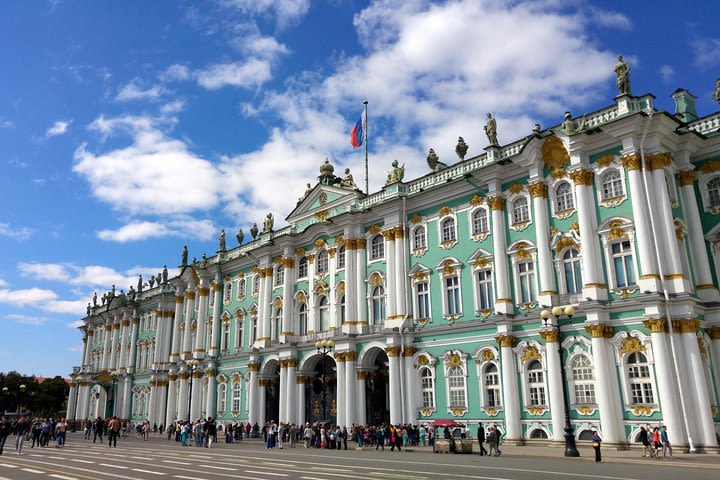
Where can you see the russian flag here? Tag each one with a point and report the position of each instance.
(358, 132)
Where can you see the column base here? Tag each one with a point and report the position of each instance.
(595, 292)
(650, 284)
(505, 307)
(707, 294)
(677, 284)
(199, 355)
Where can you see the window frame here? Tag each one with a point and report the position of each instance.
(322, 262)
(377, 247)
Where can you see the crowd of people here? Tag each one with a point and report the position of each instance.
(39, 431)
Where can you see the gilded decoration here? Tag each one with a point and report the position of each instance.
(392, 351)
(331, 252)
(416, 218)
(350, 356)
(714, 333)
(585, 411)
(458, 412)
(538, 189)
(576, 227)
(521, 253)
(374, 229)
(454, 360)
(686, 326)
(341, 287)
(419, 276)
(288, 263)
(254, 366)
(505, 340)
(605, 160)
(558, 173)
(476, 200)
(632, 162)
(516, 188)
(300, 252)
(536, 411)
(496, 203)
(445, 211)
(253, 310)
(711, 166)
(389, 234)
(555, 156)
(481, 262)
(566, 242)
(376, 280)
(422, 360)
(310, 258)
(582, 177)
(319, 243)
(448, 268)
(179, 298)
(632, 344)
(426, 412)
(340, 241)
(277, 302)
(642, 410)
(656, 325)
(658, 161)
(241, 275)
(203, 292)
(322, 215)
(550, 336)
(687, 177)
(491, 412)
(530, 353)
(323, 198)
(701, 347)
(487, 355)
(616, 232)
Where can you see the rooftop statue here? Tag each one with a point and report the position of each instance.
(165, 274)
(140, 283)
(461, 148)
(184, 256)
(347, 180)
(95, 299)
(536, 128)
(152, 281)
(112, 292)
(203, 261)
(622, 77)
(568, 124)
(240, 236)
(268, 223)
(491, 131)
(223, 245)
(716, 93)
(434, 162)
(396, 174)
(88, 308)
(254, 231)
(307, 192)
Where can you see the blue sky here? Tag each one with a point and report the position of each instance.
(128, 129)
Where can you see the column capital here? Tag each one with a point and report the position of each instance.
(409, 351)
(656, 325)
(538, 189)
(203, 292)
(350, 356)
(599, 330)
(339, 357)
(496, 203)
(179, 298)
(190, 295)
(714, 332)
(254, 366)
(658, 161)
(632, 162)
(687, 178)
(392, 351)
(505, 340)
(582, 177)
(550, 335)
(291, 362)
(689, 325)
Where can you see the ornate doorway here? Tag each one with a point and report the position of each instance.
(272, 393)
(377, 393)
(321, 392)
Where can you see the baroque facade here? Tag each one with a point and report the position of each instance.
(432, 291)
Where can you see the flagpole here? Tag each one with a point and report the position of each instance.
(365, 128)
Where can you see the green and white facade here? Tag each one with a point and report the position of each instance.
(432, 290)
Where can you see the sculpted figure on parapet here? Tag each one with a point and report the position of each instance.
(268, 223)
(491, 130)
(396, 174)
(223, 245)
(622, 76)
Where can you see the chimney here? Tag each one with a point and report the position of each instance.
(685, 105)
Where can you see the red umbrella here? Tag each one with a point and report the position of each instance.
(446, 423)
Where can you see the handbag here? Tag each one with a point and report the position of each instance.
(596, 444)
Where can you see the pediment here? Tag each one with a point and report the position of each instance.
(324, 198)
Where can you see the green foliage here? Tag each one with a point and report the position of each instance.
(22, 393)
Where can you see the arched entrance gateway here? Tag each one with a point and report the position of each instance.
(321, 391)
(270, 379)
(374, 370)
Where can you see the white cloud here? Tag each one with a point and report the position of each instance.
(707, 51)
(610, 19)
(70, 307)
(200, 229)
(176, 72)
(261, 46)
(3, 283)
(76, 348)
(249, 74)
(7, 124)
(60, 127)
(16, 233)
(667, 72)
(26, 319)
(134, 91)
(75, 324)
(285, 12)
(26, 296)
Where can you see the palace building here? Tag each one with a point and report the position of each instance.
(449, 296)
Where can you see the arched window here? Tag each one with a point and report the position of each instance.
(612, 185)
(448, 230)
(491, 383)
(239, 330)
(713, 190)
(480, 221)
(255, 284)
(324, 313)
(225, 338)
(378, 305)
(537, 434)
(302, 267)
(228, 292)
(520, 211)
(222, 397)
(302, 319)
(377, 247)
(279, 277)
(341, 257)
(641, 390)
(241, 288)
(321, 265)
(623, 263)
(536, 383)
(236, 396)
(427, 386)
(572, 269)
(419, 238)
(253, 328)
(564, 198)
(583, 380)
(587, 435)
(276, 323)
(341, 309)
(456, 386)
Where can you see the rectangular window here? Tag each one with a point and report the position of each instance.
(623, 264)
(485, 290)
(423, 300)
(584, 393)
(537, 395)
(527, 282)
(452, 291)
(236, 391)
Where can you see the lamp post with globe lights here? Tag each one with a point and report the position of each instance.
(324, 348)
(193, 364)
(114, 377)
(558, 312)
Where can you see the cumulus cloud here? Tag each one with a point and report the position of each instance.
(60, 127)
(144, 230)
(284, 12)
(26, 296)
(16, 233)
(707, 51)
(3, 283)
(175, 72)
(249, 74)
(26, 319)
(7, 124)
(134, 91)
(90, 276)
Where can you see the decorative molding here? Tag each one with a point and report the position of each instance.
(516, 188)
(476, 200)
(582, 177)
(658, 161)
(656, 325)
(686, 326)
(632, 344)
(505, 340)
(496, 203)
(392, 351)
(687, 177)
(550, 336)
(538, 189)
(632, 162)
(530, 353)
(416, 218)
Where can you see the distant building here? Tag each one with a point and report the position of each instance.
(432, 291)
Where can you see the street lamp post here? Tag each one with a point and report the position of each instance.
(557, 312)
(192, 363)
(324, 348)
(114, 376)
(21, 397)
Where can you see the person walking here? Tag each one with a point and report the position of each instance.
(5, 430)
(647, 452)
(656, 442)
(99, 424)
(60, 432)
(596, 442)
(481, 439)
(113, 431)
(21, 429)
(492, 442)
(665, 440)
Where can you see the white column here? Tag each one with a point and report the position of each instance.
(127, 397)
(171, 399)
(351, 299)
(182, 407)
(605, 376)
(123, 342)
(253, 407)
(674, 263)
(594, 285)
(643, 235)
(668, 390)
(557, 402)
(261, 403)
(394, 357)
(503, 300)
(360, 295)
(83, 401)
(87, 348)
(210, 405)
(197, 384)
(187, 338)
(283, 392)
(410, 394)
(112, 362)
(361, 397)
(72, 401)
(300, 392)
(176, 347)
(539, 193)
(350, 389)
(390, 258)
(203, 291)
(696, 373)
(288, 312)
(401, 276)
(698, 251)
(341, 390)
(152, 401)
(292, 389)
(714, 333)
(107, 346)
(265, 302)
(133, 342)
(215, 290)
(511, 399)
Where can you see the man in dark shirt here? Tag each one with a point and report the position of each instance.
(481, 439)
(21, 428)
(99, 426)
(5, 430)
